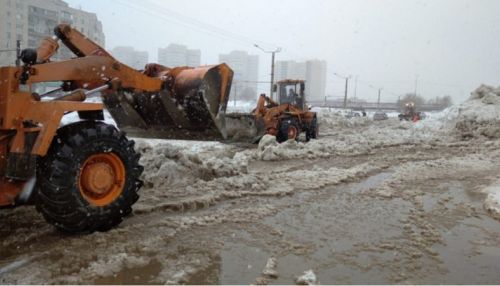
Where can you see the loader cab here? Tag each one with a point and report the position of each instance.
(292, 92)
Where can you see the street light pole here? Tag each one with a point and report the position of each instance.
(346, 86)
(378, 101)
(272, 75)
(273, 53)
(355, 87)
(345, 95)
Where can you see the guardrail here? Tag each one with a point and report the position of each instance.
(370, 105)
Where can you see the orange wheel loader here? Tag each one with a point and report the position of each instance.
(285, 119)
(84, 176)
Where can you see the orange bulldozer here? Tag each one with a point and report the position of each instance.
(85, 176)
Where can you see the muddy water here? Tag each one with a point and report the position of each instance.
(470, 249)
(319, 225)
(347, 239)
(133, 276)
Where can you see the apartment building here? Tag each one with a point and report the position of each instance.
(29, 21)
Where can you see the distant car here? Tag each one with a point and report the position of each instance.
(360, 111)
(380, 115)
(352, 114)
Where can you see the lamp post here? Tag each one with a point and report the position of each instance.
(378, 101)
(355, 87)
(346, 87)
(272, 66)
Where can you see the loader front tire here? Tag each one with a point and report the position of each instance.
(288, 129)
(89, 179)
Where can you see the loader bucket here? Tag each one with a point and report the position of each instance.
(191, 105)
(244, 127)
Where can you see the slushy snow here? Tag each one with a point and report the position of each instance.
(492, 202)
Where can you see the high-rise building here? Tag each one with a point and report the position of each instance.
(29, 21)
(179, 55)
(290, 70)
(316, 77)
(312, 71)
(131, 57)
(246, 72)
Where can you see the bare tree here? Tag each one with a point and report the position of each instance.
(441, 101)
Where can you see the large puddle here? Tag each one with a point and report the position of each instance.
(319, 226)
(347, 238)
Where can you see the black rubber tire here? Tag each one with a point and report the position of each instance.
(58, 197)
(313, 130)
(283, 129)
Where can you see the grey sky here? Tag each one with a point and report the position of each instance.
(452, 45)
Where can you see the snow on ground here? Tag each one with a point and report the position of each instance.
(492, 202)
(219, 171)
(222, 169)
(432, 170)
(352, 136)
(307, 278)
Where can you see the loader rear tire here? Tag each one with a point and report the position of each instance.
(89, 179)
(288, 129)
(313, 130)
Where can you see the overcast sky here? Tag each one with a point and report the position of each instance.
(452, 46)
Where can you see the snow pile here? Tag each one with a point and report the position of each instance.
(270, 268)
(348, 142)
(492, 202)
(435, 126)
(168, 164)
(270, 150)
(277, 184)
(480, 115)
(200, 194)
(268, 273)
(327, 120)
(438, 123)
(307, 278)
(332, 120)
